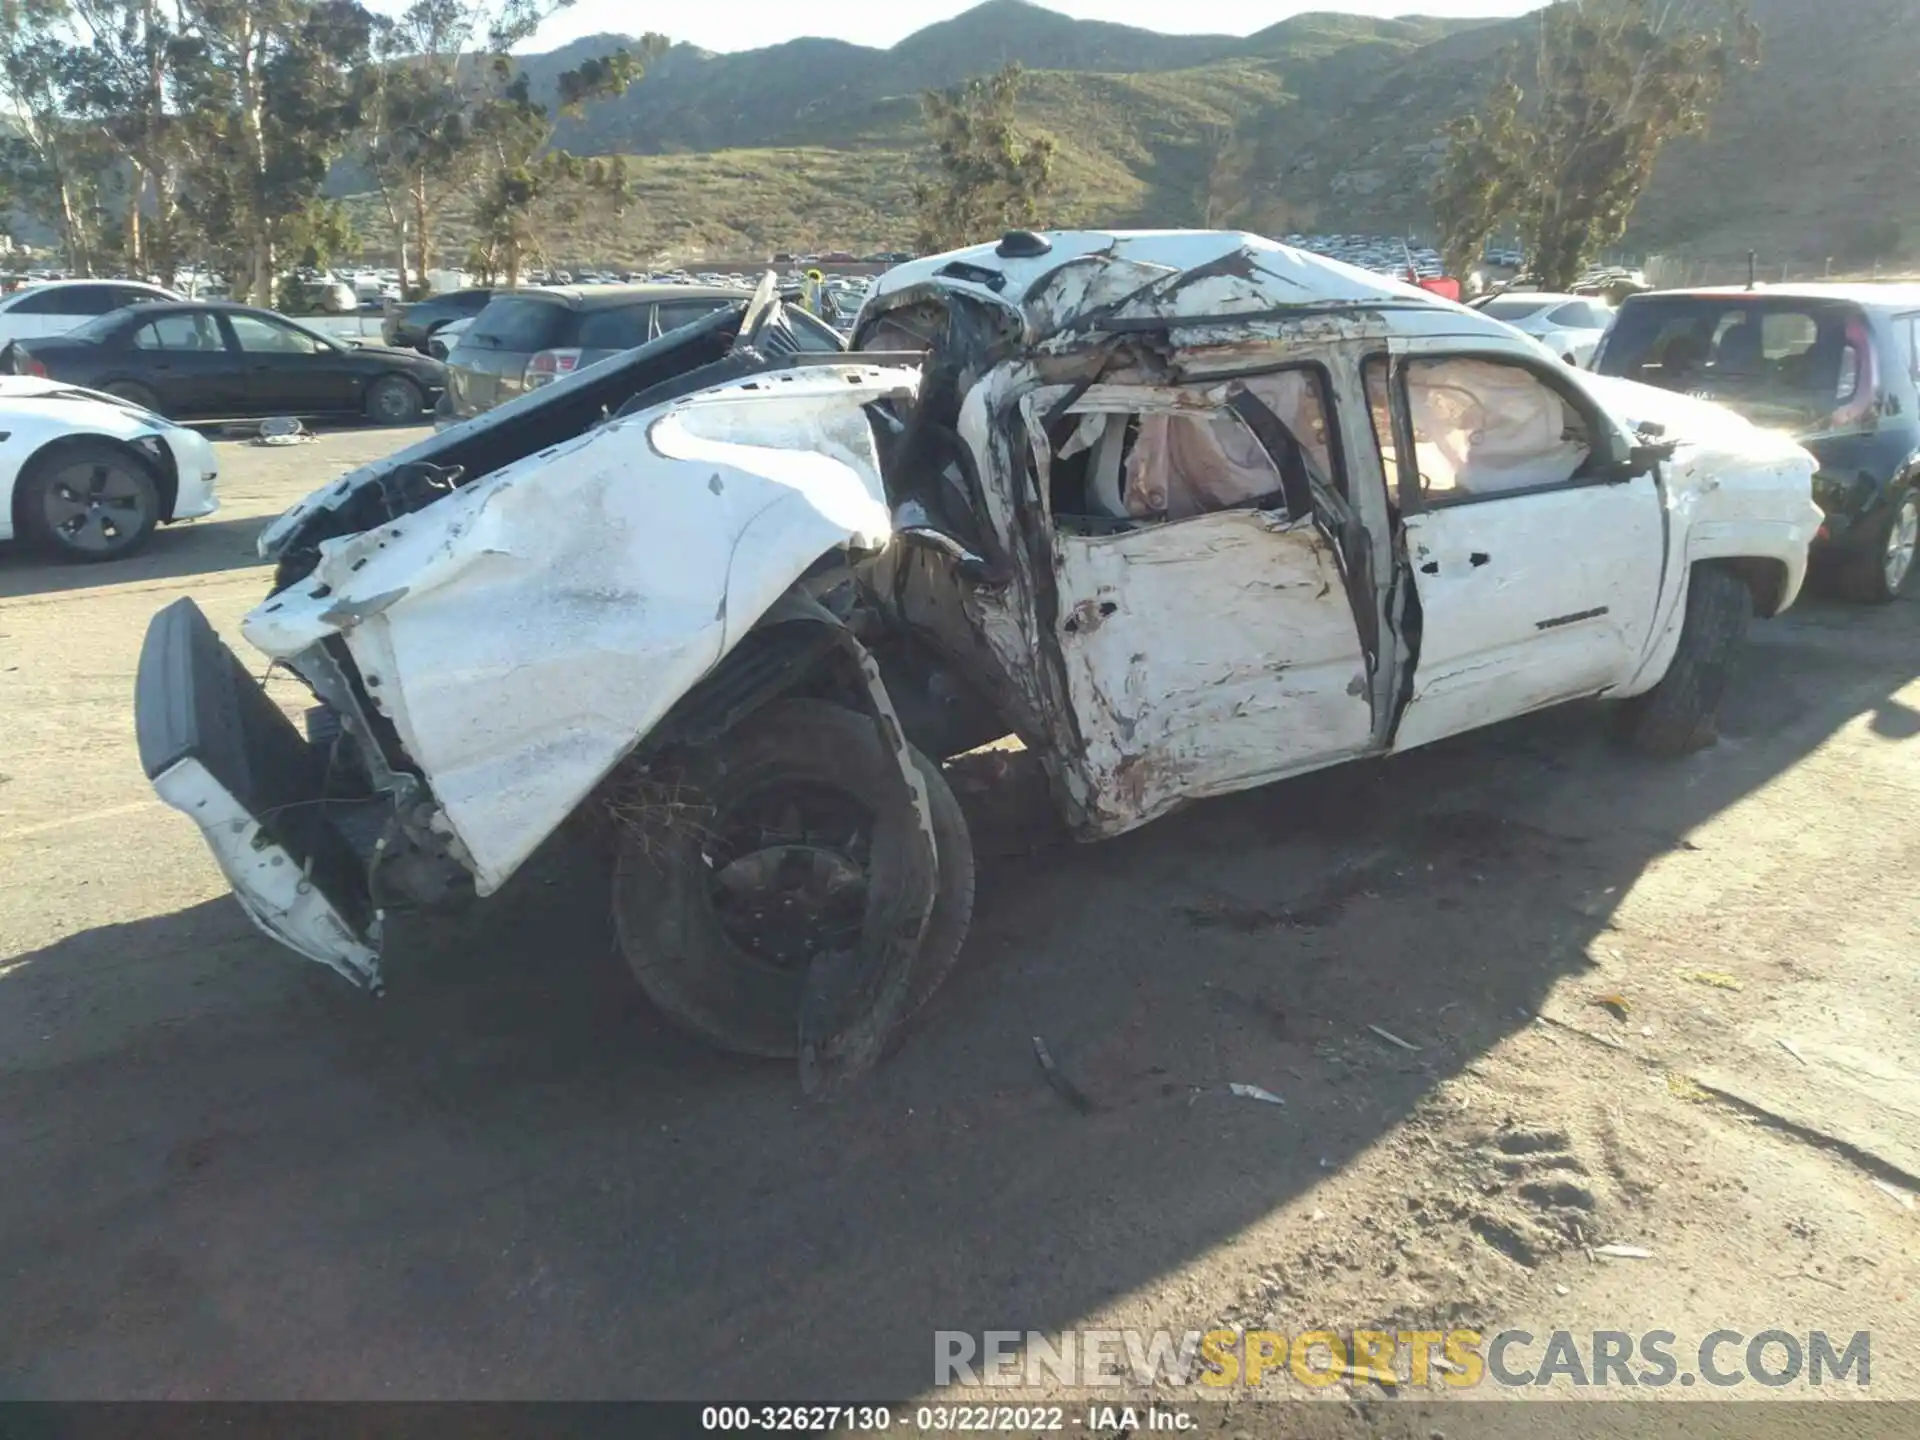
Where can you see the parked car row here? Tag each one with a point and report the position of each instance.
(1569, 325)
(213, 360)
(416, 324)
(524, 340)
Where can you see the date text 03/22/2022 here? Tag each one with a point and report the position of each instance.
(942, 1419)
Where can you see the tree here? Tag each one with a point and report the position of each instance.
(988, 176)
(49, 162)
(526, 182)
(1222, 175)
(119, 84)
(434, 63)
(281, 87)
(1565, 162)
(1483, 183)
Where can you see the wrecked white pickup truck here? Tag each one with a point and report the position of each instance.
(1185, 512)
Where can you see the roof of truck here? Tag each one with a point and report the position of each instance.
(1230, 273)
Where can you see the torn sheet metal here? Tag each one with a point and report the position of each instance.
(552, 612)
(1204, 657)
(1187, 275)
(854, 999)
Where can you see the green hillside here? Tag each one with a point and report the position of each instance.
(1322, 121)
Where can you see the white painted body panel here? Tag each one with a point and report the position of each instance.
(524, 633)
(34, 412)
(266, 880)
(1528, 600)
(19, 323)
(1207, 656)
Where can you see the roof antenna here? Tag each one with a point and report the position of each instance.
(1753, 269)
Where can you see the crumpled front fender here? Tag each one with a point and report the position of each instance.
(523, 634)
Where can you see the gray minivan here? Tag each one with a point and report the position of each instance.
(526, 339)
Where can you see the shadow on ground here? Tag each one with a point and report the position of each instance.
(192, 547)
(510, 1178)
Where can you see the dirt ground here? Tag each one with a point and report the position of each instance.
(1666, 1006)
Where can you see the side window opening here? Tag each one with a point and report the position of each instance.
(1120, 469)
(1482, 428)
(179, 332)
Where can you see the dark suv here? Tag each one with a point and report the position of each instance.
(531, 338)
(1838, 366)
(410, 327)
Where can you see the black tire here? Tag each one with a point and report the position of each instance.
(1679, 714)
(1875, 574)
(665, 917)
(135, 394)
(88, 501)
(395, 400)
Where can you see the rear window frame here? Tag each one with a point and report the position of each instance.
(585, 320)
(562, 327)
(1723, 307)
(708, 304)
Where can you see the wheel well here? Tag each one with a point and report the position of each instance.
(1765, 579)
(163, 469)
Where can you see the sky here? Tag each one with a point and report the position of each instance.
(749, 24)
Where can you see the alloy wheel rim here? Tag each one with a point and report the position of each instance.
(94, 507)
(1902, 539)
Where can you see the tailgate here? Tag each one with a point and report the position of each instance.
(479, 379)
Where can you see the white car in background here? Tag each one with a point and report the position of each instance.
(1569, 325)
(56, 306)
(86, 476)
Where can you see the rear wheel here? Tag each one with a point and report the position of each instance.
(1680, 714)
(757, 856)
(87, 502)
(1879, 571)
(394, 400)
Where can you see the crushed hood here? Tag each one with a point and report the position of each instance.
(1689, 422)
(527, 631)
